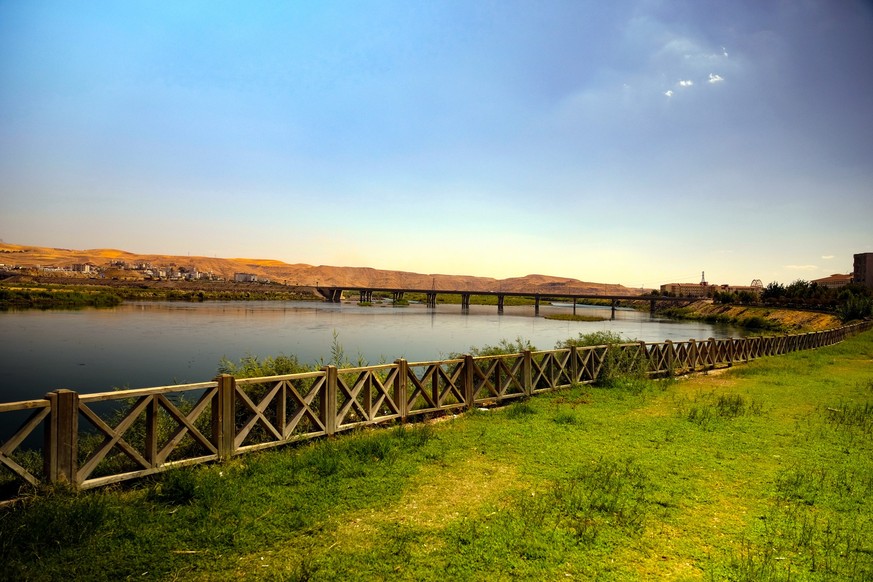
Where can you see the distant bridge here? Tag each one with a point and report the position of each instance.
(334, 295)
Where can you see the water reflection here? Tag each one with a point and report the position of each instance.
(159, 343)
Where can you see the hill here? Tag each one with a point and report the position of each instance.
(299, 274)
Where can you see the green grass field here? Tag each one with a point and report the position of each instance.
(763, 472)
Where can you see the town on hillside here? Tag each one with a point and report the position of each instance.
(129, 271)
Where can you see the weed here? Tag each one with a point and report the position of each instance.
(520, 409)
(565, 417)
(59, 520)
(503, 347)
(852, 416)
(706, 409)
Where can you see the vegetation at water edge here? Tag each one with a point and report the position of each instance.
(46, 298)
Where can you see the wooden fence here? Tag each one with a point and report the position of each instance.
(96, 439)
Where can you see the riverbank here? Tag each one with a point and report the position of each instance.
(761, 472)
(765, 319)
(48, 293)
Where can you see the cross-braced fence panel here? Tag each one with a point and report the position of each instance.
(660, 357)
(131, 433)
(367, 395)
(434, 386)
(551, 369)
(497, 378)
(272, 411)
(21, 468)
(589, 361)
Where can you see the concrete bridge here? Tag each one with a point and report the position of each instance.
(335, 294)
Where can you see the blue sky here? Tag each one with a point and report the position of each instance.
(634, 142)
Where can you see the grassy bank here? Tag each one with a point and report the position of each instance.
(764, 472)
(768, 319)
(56, 298)
(50, 295)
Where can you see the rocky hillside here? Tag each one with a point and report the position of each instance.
(307, 275)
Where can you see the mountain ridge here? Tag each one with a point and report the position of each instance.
(305, 275)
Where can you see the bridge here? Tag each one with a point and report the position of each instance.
(335, 294)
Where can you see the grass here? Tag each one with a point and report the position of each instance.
(66, 296)
(571, 317)
(755, 319)
(56, 298)
(764, 472)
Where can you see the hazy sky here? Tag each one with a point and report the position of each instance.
(634, 142)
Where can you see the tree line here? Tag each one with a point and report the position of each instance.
(850, 302)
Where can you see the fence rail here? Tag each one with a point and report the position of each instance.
(96, 439)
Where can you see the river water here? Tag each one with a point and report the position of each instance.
(143, 344)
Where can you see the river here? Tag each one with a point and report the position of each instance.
(143, 344)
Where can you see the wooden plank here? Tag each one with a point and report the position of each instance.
(23, 473)
(258, 415)
(119, 477)
(138, 392)
(24, 405)
(114, 437)
(186, 426)
(24, 431)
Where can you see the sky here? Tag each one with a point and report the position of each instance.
(638, 142)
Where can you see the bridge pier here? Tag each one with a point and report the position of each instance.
(431, 299)
(331, 294)
(574, 305)
(500, 298)
(397, 296)
(366, 296)
(614, 301)
(536, 304)
(465, 301)
(652, 307)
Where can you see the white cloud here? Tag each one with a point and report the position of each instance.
(827, 257)
(801, 267)
(668, 93)
(686, 83)
(715, 78)
(724, 51)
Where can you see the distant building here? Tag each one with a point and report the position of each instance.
(245, 278)
(863, 271)
(704, 289)
(686, 289)
(834, 281)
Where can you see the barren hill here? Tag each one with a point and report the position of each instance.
(307, 275)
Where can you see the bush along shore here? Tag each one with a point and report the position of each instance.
(761, 472)
(764, 319)
(45, 298)
(64, 296)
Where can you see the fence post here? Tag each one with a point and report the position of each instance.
(151, 431)
(469, 395)
(527, 372)
(574, 365)
(328, 401)
(669, 345)
(692, 354)
(223, 417)
(400, 389)
(645, 355)
(712, 353)
(62, 438)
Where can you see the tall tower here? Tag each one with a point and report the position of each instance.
(703, 278)
(863, 269)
